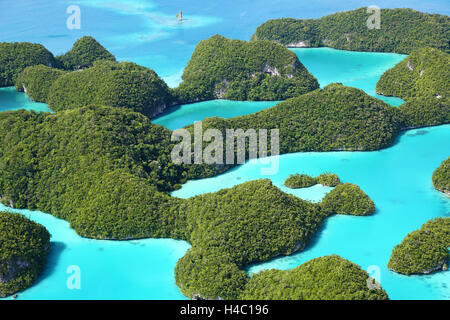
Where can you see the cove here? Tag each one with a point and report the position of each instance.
(10, 99)
(398, 179)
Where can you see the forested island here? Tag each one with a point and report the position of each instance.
(401, 31)
(83, 54)
(423, 251)
(421, 80)
(296, 181)
(324, 278)
(333, 118)
(24, 246)
(426, 250)
(441, 177)
(101, 164)
(15, 57)
(221, 68)
(89, 74)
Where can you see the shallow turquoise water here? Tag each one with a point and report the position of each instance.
(138, 269)
(142, 31)
(187, 114)
(398, 179)
(10, 99)
(146, 31)
(354, 69)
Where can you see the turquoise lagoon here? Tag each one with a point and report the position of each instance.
(10, 99)
(398, 178)
(138, 269)
(354, 69)
(187, 114)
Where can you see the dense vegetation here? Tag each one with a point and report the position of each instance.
(83, 54)
(15, 57)
(333, 118)
(441, 177)
(423, 251)
(24, 246)
(401, 31)
(239, 70)
(98, 79)
(296, 181)
(107, 171)
(235, 227)
(348, 198)
(324, 278)
(422, 80)
(113, 84)
(37, 81)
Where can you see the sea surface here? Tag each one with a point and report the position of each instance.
(398, 178)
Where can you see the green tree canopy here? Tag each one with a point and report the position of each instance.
(125, 84)
(441, 177)
(324, 278)
(422, 80)
(24, 246)
(401, 31)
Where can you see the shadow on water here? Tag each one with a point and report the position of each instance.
(52, 261)
(311, 243)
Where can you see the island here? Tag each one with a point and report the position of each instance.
(400, 31)
(325, 278)
(15, 57)
(123, 85)
(83, 54)
(297, 181)
(24, 247)
(221, 68)
(36, 81)
(99, 162)
(348, 198)
(426, 250)
(107, 154)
